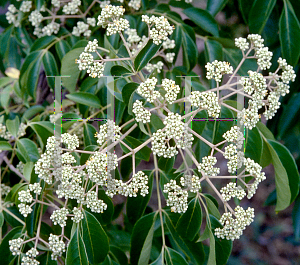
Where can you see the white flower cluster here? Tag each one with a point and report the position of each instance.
(170, 57)
(168, 44)
(171, 89)
(147, 89)
(273, 106)
(242, 43)
(4, 189)
(141, 114)
(156, 66)
(161, 30)
(29, 258)
(99, 164)
(81, 28)
(233, 228)
(207, 166)
(231, 191)
(26, 6)
(60, 217)
(159, 142)
(91, 21)
(234, 135)
(48, 30)
(217, 69)
(288, 73)
(255, 170)
(35, 18)
(86, 61)
(133, 37)
(35, 188)
(57, 246)
(92, 202)
(110, 131)
(71, 141)
(264, 57)
(78, 215)
(192, 182)
(25, 197)
(206, 100)
(135, 4)
(70, 187)
(110, 18)
(249, 117)
(235, 158)
(15, 246)
(104, 3)
(174, 126)
(177, 197)
(11, 15)
(71, 8)
(55, 3)
(91, 46)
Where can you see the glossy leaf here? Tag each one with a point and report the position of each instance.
(70, 68)
(203, 19)
(45, 259)
(76, 252)
(286, 175)
(120, 71)
(50, 67)
(43, 130)
(289, 115)
(173, 257)
(190, 51)
(94, 238)
(141, 240)
(85, 98)
(62, 48)
(254, 144)
(193, 251)
(27, 149)
(145, 55)
(4, 145)
(189, 223)
(89, 132)
(127, 91)
(259, 15)
(42, 43)
(289, 33)
(215, 6)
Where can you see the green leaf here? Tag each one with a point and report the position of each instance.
(32, 219)
(29, 113)
(42, 43)
(62, 48)
(173, 257)
(27, 150)
(193, 251)
(289, 115)
(84, 157)
(27, 170)
(50, 67)
(190, 51)
(13, 126)
(212, 207)
(289, 33)
(254, 144)
(30, 71)
(4, 145)
(189, 223)
(43, 130)
(119, 255)
(45, 259)
(118, 70)
(203, 19)
(166, 164)
(259, 15)
(215, 6)
(132, 142)
(213, 50)
(94, 238)
(127, 91)
(85, 98)
(141, 240)
(145, 55)
(245, 7)
(135, 206)
(286, 175)
(89, 132)
(5, 97)
(76, 252)
(70, 68)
